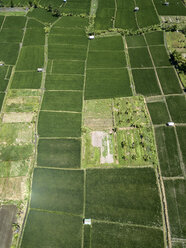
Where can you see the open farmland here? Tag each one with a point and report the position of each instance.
(83, 125)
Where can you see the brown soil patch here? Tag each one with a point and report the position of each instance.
(14, 117)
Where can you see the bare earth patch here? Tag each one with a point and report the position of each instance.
(14, 117)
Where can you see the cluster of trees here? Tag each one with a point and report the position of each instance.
(178, 61)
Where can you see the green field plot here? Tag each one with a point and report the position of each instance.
(168, 152)
(146, 82)
(31, 58)
(99, 84)
(181, 131)
(1, 99)
(67, 31)
(107, 43)
(59, 153)
(64, 82)
(62, 100)
(14, 22)
(68, 39)
(68, 67)
(103, 18)
(155, 38)
(136, 146)
(3, 81)
(53, 230)
(139, 57)
(175, 8)
(9, 53)
(1, 20)
(105, 235)
(107, 59)
(123, 16)
(67, 52)
(176, 201)
(58, 190)
(123, 195)
(16, 152)
(34, 24)
(86, 238)
(53, 124)
(135, 41)
(76, 8)
(176, 105)
(158, 112)
(42, 15)
(34, 37)
(11, 35)
(178, 245)
(160, 56)
(131, 112)
(26, 80)
(169, 81)
(72, 22)
(15, 168)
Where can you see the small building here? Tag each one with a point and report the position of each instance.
(40, 69)
(170, 124)
(87, 221)
(91, 37)
(64, 1)
(136, 9)
(1, 64)
(166, 3)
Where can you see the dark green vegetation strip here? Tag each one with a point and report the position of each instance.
(99, 84)
(135, 41)
(176, 105)
(61, 153)
(68, 67)
(146, 82)
(31, 58)
(64, 82)
(61, 100)
(168, 151)
(87, 236)
(123, 195)
(3, 81)
(112, 43)
(26, 80)
(169, 81)
(155, 38)
(56, 124)
(58, 190)
(45, 229)
(158, 112)
(139, 57)
(181, 131)
(111, 235)
(1, 99)
(176, 201)
(160, 56)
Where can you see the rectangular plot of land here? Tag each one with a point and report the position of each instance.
(61, 153)
(64, 82)
(176, 201)
(135, 41)
(107, 43)
(31, 58)
(168, 152)
(1, 99)
(124, 15)
(158, 112)
(68, 39)
(34, 37)
(11, 35)
(175, 8)
(181, 131)
(9, 53)
(104, 235)
(160, 56)
(103, 20)
(68, 67)
(123, 195)
(34, 24)
(106, 59)
(67, 31)
(52, 230)
(176, 105)
(139, 57)
(56, 124)
(14, 22)
(145, 19)
(155, 38)
(61, 100)
(146, 82)
(101, 84)
(169, 81)
(3, 80)
(26, 80)
(58, 190)
(72, 22)
(67, 52)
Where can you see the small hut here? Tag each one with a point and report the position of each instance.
(87, 221)
(166, 3)
(40, 69)
(136, 9)
(170, 124)
(91, 36)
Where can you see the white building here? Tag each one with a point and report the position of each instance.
(40, 69)
(87, 221)
(170, 124)
(91, 37)
(136, 9)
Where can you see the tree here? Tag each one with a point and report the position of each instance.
(178, 60)
(49, 8)
(30, 3)
(56, 13)
(11, 4)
